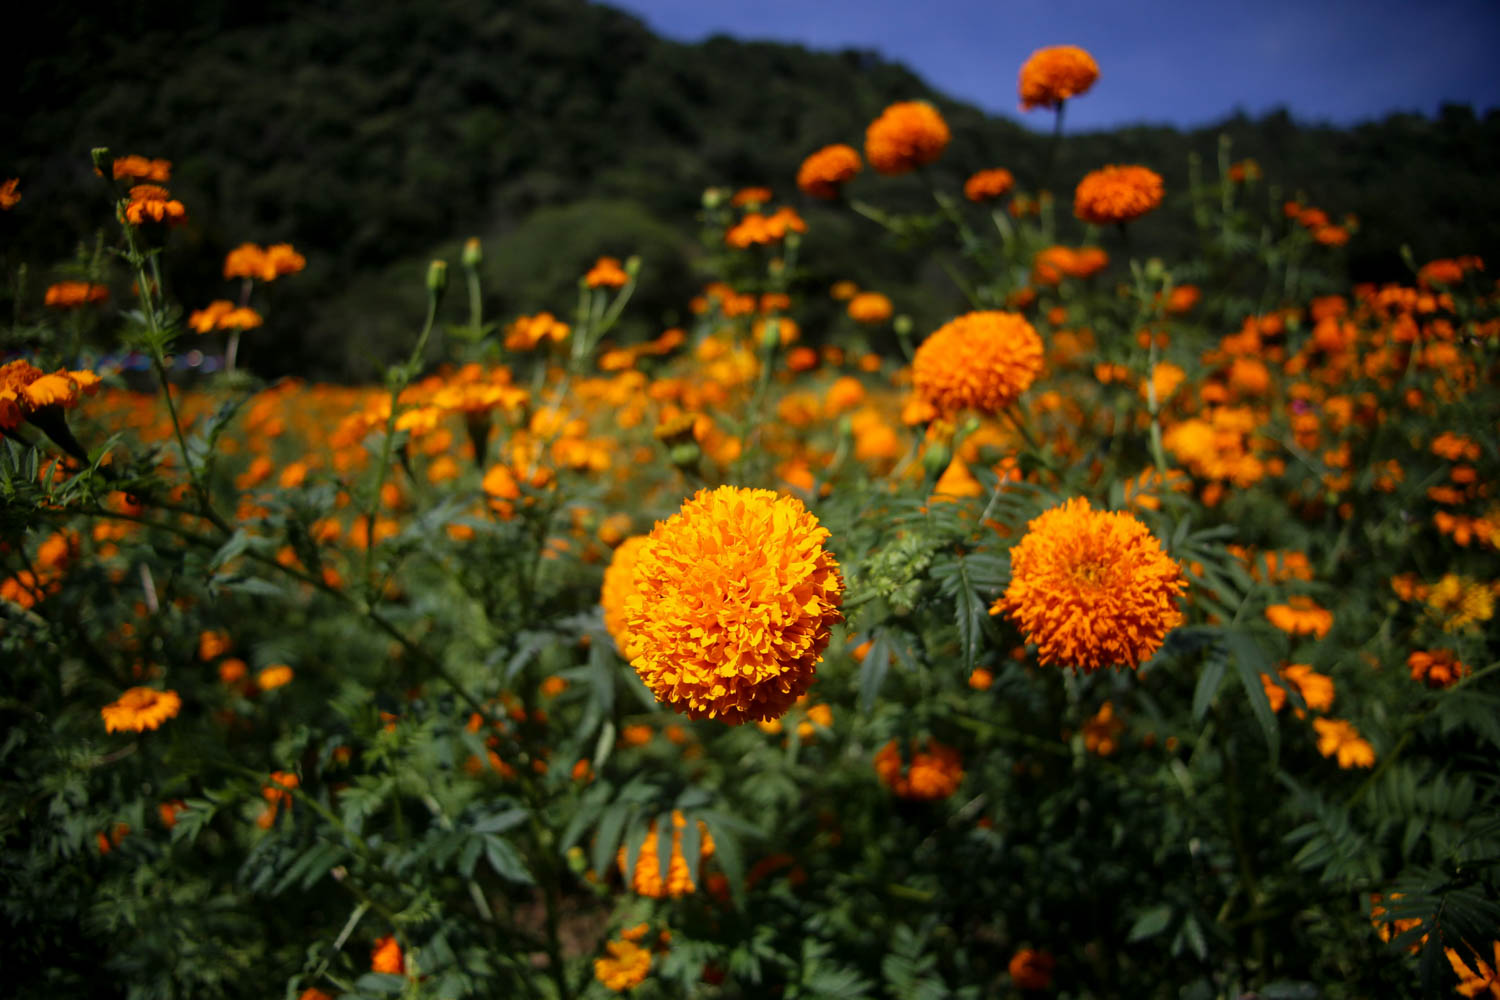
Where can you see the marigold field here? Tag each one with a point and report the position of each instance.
(1129, 634)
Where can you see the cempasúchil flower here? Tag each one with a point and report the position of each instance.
(981, 360)
(733, 600)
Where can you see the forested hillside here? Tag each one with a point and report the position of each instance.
(375, 134)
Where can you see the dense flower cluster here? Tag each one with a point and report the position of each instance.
(624, 967)
(907, 135)
(1052, 75)
(824, 173)
(1117, 194)
(1092, 588)
(981, 361)
(931, 774)
(733, 601)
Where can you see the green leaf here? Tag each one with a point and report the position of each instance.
(1150, 923)
(1214, 666)
(501, 821)
(1250, 662)
(506, 860)
(872, 671)
(607, 838)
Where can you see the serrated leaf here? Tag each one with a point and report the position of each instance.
(506, 860)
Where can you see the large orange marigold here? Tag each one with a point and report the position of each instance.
(981, 360)
(1092, 588)
(733, 601)
(619, 581)
(1053, 75)
(1117, 194)
(907, 135)
(823, 173)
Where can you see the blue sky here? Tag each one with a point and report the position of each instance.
(1160, 61)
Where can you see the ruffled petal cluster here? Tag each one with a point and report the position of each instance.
(1052, 75)
(907, 135)
(1117, 194)
(981, 361)
(825, 172)
(1092, 588)
(139, 709)
(733, 600)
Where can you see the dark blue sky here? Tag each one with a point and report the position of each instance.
(1173, 61)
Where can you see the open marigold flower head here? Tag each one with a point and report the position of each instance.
(1117, 194)
(624, 967)
(71, 294)
(10, 194)
(606, 273)
(619, 583)
(981, 360)
(1460, 603)
(1054, 74)
(273, 677)
(386, 957)
(824, 173)
(28, 393)
(870, 307)
(931, 774)
(1031, 969)
(151, 203)
(139, 709)
(907, 135)
(1437, 668)
(1300, 616)
(646, 879)
(1092, 588)
(140, 168)
(733, 602)
(1338, 737)
(988, 184)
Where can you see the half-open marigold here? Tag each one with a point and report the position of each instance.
(907, 135)
(624, 968)
(733, 601)
(1117, 194)
(646, 879)
(1052, 75)
(139, 709)
(981, 360)
(1092, 588)
(988, 184)
(824, 173)
(931, 774)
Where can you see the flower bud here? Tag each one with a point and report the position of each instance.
(936, 458)
(685, 455)
(437, 277)
(902, 325)
(102, 160)
(473, 253)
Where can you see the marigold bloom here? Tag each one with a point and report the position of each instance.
(931, 774)
(619, 583)
(28, 393)
(10, 195)
(1459, 602)
(1481, 980)
(1337, 737)
(824, 173)
(988, 184)
(907, 135)
(150, 203)
(751, 196)
(1054, 74)
(1031, 969)
(70, 294)
(646, 879)
(277, 792)
(528, 331)
(1117, 194)
(606, 273)
(1316, 689)
(870, 307)
(274, 676)
(212, 644)
(1092, 588)
(981, 360)
(1101, 733)
(139, 709)
(756, 228)
(624, 968)
(386, 956)
(1300, 616)
(733, 601)
(140, 168)
(1437, 668)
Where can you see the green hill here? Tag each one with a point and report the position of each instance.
(375, 134)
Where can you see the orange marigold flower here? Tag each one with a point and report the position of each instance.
(619, 584)
(981, 360)
(1031, 969)
(624, 968)
(212, 644)
(1117, 194)
(1052, 75)
(606, 273)
(528, 331)
(274, 677)
(932, 774)
(150, 203)
(647, 877)
(824, 173)
(139, 709)
(10, 195)
(70, 294)
(1437, 668)
(870, 307)
(1336, 737)
(140, 168)
(1480, 980)
(733, 601)
(988, 184)
(751, 196)
(1300, 616)
(1460, 602)
(1316, 689)
(28, 393)
(907, 135)
(1092, 588)
(277, 792)
(386, 956)
(1101, 733)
